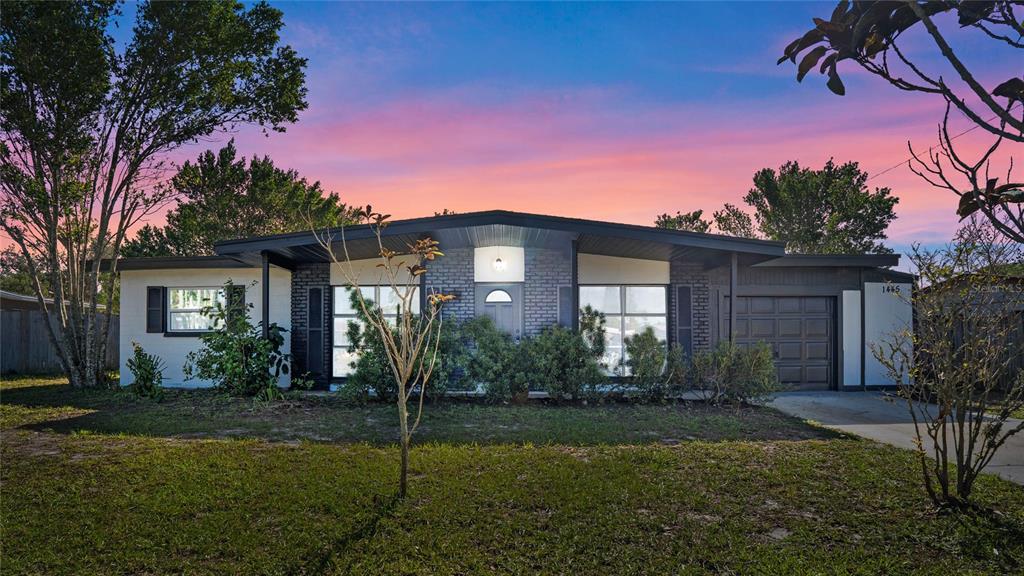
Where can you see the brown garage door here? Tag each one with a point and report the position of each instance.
(800, 331)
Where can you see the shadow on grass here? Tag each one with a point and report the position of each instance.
(210, 414)
(326, 559)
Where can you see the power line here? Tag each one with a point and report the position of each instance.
(954, 137)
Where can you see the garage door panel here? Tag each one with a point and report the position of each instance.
(742, 328)
(790, 351)
(762, 327)
(816, 327)
(761, 305)
(817, 305)
(788, 305)
(789, 327)
(817, 351)
(816, 375)
(790, 374)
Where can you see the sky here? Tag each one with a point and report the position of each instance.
(608, 111)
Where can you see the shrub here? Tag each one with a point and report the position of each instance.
(656, 372)
(592, 328)
(372, 369)
(563, 364)
(496, 362)
(735, 373)
(235, 355)
(147, 373)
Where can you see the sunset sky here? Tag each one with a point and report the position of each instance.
(606, 111)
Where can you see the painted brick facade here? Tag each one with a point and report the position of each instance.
(682, 273)
(546, 270)
(453, 274)
(304, 277)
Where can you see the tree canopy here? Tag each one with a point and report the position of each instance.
(86, 124)
(827, 211)
(222, 197)
(688, 221)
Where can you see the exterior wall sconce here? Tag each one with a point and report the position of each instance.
(499, 264)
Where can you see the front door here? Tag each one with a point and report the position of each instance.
(503, 304)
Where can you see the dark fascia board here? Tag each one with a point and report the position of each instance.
(833, 260)
(521, 219)
(174, 262)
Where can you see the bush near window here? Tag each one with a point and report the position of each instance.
(656, 371)
(147, 373)
(235, 355)
(495, 361)
(734, 373)
(592, 328)
(372, 369)
(564, 364)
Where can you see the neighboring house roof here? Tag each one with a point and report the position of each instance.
(29, 301)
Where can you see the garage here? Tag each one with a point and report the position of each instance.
(800, 330)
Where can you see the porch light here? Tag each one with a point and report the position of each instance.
(499, 264)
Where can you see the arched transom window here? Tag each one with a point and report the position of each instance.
(497, 296)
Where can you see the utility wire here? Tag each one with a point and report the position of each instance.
(951, 138)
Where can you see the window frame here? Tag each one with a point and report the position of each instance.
(170, 311)
(349, 317)
(623, 313)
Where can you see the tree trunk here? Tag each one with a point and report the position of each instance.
(403, 423)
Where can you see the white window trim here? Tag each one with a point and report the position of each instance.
(171, 310)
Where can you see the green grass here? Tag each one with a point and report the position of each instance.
(49, 404)
(126, 500)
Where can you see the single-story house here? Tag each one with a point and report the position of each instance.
(820, 313)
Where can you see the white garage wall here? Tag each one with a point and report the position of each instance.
(851, 338)
(887, 311)
(173, 350)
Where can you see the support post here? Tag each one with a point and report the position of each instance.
(733, 266)
(575, 287)
(265, 292)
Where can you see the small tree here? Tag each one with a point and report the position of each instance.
(688, 221)
(410, 341)
(956, 366)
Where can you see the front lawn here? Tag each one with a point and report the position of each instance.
(135, 499)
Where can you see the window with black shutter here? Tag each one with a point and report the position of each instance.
(155, 317)
(315, 332)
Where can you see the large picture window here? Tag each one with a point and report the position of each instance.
(383, 296)
(628, 310)
(185, 308)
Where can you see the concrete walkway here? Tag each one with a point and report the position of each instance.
(885, 419)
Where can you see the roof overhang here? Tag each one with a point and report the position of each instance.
(501, 228)
(174, 262)
(833, 260)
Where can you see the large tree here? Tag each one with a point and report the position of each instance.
(827, 211)
(908, 45)
(221, 197)
(87, 124)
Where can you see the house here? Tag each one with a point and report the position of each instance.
(527, 271)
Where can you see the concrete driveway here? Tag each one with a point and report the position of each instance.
(872, 415)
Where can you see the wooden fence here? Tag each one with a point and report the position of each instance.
(25, 348)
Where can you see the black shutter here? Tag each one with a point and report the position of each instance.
(565, 310)
(684, 319)
(315, 332)
(236, 302)
(156, 299)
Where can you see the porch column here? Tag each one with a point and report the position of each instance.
(265, 292)
(732, 296)
(575, 286)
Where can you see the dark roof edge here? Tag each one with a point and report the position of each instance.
(833, 260)
(174, 262)
(523, 219)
